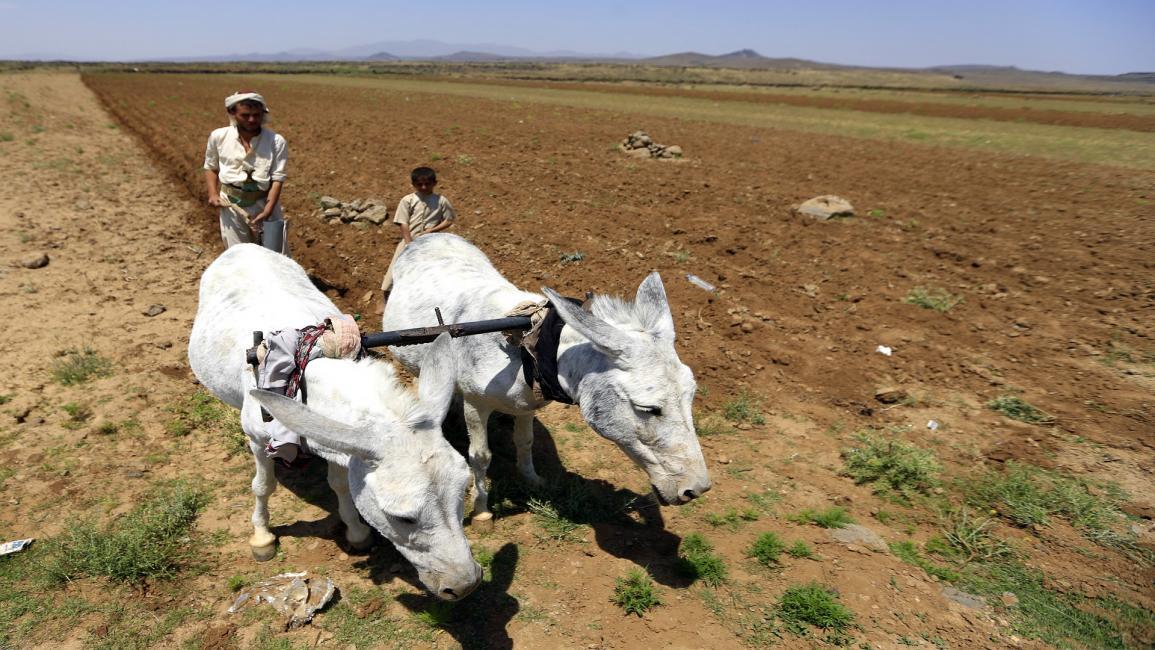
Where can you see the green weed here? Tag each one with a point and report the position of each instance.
(79, 366)
(555, 526)
(800, 550)
(1017, 409)
(1057, 618)
(1029, 496)
(151, 541)
(78, 415)
(712, 425)
(892, 465)
(731, 519)
(767, 549)
(697, 561)
(203, 412)
(833, 517)
(571, 258)
(908, 552)
(436, 614)
(937, 299)
(803, 606)
(743, 408)
(968, 538)
(635, 593)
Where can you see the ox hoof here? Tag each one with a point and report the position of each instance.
(482, 522)
(264, 553)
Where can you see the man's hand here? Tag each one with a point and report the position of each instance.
(215, 200)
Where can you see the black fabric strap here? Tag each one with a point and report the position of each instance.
(540, 366)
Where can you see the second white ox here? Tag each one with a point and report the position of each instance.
(616, 361)
(386, 454)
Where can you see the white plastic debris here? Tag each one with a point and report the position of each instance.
(699, 282)
(15, 546)
(291, 594)
(932, 425)
(884, 350)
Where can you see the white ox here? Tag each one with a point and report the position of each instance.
(386, 454)
(617, 362)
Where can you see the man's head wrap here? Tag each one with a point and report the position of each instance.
(240, 96)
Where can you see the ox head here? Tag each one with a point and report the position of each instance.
(637, 392)
(405, 479)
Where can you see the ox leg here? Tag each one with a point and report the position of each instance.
(523, 440)
(357, 533)
(263, 543)
(476, 421)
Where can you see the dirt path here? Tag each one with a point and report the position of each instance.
(80, 191)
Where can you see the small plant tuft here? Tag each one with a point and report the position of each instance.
(767, 549)
(833, 517)
(743, 408)
(1017, 409)
(79, 366)
(731, 519)
(892, 465)
(937, 299)
(151, 541)
(698, 561)
(555, 526)
(437, 614)
(800, 550)
(814, 605)
(635, 593)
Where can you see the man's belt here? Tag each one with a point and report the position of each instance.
(241, 197)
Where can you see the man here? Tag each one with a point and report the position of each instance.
(244, 172)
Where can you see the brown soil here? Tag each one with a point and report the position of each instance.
(926, 108)
(1054, 261)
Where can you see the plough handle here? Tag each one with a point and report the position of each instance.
(428, 334)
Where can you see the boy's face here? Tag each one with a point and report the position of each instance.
(425, 185)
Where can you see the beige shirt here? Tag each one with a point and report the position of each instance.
(266, 159)
(422, 214)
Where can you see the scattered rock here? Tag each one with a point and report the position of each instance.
(1009, 599)
(154, 310)
(890, 395)
(827, 207)
(376, 215)
(857, 534)
(969, 601)
(639, 144)
(358, 212)
(38, 261)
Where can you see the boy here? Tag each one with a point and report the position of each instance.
(419, 213)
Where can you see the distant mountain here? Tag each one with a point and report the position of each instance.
(465, 57)
(382, 56)
(1142, 77)
(738, 59)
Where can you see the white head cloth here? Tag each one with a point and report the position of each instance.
(236, 98)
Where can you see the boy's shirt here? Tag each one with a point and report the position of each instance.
(422, 214)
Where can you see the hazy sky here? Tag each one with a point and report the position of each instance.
(1079, 36)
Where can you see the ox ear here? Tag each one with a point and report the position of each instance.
(652, 298)
(438, 380)
(605, 337)
(309, 424)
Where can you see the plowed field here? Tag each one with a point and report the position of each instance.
(1045, 267)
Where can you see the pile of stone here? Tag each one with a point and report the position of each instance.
(640, 145)
(358, 210)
